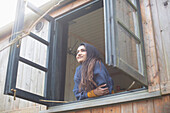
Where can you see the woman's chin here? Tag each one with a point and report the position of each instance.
(79, 61)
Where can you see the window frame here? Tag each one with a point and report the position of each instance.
(55, 80)
(111, 39)
(14, 57)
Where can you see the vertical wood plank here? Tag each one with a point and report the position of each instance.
(166, 105)
(112, 109)
(158, 39)
(164, 15)
(127, 108)
(6, 101)
(84, 111)
(33, 109)
(97, 110)
(71, 67)
(3, 68)
(70, 112)
(145, 106)
(150, 51)
(160, 8)
(67, 78)
(160, 104)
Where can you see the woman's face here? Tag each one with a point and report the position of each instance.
(81, 54)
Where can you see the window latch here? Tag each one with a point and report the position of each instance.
(14, 90)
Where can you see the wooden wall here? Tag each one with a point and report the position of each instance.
(70, 69)
(156, 105)
(156, 28)
(160, 10)
(149, 44)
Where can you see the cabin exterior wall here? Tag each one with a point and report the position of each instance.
(156, 31)
(152, 105)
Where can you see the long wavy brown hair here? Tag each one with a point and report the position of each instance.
(87, 82)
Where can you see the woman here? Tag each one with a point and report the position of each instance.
(91, 77)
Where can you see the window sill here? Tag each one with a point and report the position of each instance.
(105, 100)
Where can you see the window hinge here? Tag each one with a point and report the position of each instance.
(14, 90)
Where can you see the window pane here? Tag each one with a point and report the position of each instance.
(134, 2)
(128, 49)
(34, 51)
(128, 16)
(41, 29)
(30, 79)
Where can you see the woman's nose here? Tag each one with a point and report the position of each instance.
(79, 53)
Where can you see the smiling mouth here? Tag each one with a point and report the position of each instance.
(80, 57)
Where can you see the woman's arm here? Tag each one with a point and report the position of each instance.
(99, 91)
(79, 94)
(102, 79)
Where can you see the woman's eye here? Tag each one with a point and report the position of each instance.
(83, 50)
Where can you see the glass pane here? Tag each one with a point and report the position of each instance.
(128, 16)
(30, 79)
(34, 51)
(128, 49)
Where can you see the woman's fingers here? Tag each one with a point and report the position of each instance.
(106, 92)
(102, 85)
(104, 88)
(101, 91)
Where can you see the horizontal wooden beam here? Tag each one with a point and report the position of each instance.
(69, 7)
(38, 11)
(103, 101)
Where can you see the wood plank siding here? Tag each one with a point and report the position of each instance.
(160, 15)
(152, 105)
(155, 16)
(156, 105)
(149, 43)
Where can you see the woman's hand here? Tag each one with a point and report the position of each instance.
(99, 91)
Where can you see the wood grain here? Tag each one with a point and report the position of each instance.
(162, 104)
(145, 106)
(159, 9)
(69, 7)
(84, 111)
(127, 108)
(112, 109)
(150, 51)
(97, 110)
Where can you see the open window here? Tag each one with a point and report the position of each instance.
(115, 30)
(23, 65)
(112, 26)
(123, 34)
